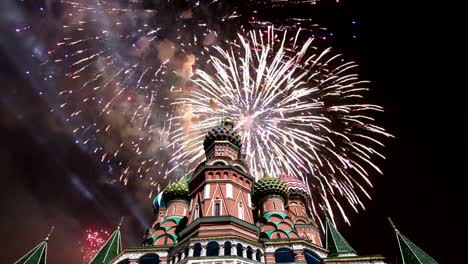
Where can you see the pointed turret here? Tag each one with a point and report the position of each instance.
(37, 255)
(409, 252)
(336, 245)
(110, 249)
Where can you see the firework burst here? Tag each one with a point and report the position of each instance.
(123, 62)
(298, 109)
(122, 59)
(92, 243)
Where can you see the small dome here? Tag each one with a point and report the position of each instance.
(228, 122)
(269, 186)
(295, 186)
(158, 201)
(177, 190)
(223, 132)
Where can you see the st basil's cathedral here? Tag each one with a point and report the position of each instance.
(220, 214)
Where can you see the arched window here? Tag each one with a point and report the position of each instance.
(186, 252)
(311, 257)
(197, 250)
(283, 255)
(240, 250)
(227, 248)
(212, 249)
(149, 259)
(217, 208)
(258, 255)
(278, 236)
(249, 252)
(274, 205)
(241, 211)
(197, 212)
(165, 240)
(125, 261)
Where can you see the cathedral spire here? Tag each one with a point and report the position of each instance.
(336, 245)
(37, 255)
(110, 249)
(409, 253)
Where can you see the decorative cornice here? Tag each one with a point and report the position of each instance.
(217, 219)
(220, 142)
(204, 167)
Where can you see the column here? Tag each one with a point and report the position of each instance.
(234, 249)
(244, 253)
(262, 257)
(183, 255)
(203, 251)
(221, 249)
(190, 252)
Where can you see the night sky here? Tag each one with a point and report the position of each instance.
(48, 180)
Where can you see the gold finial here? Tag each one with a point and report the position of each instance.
(228, 122)
(50, 233)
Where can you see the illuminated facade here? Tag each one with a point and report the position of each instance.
(221, 214)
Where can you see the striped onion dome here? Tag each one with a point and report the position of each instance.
(295, 186)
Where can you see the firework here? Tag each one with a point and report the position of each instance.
(92, 243)
(124, 61)
(298, 109)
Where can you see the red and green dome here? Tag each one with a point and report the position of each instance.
(224, 132)
(269, 186)
(295, 186)
(177, 190)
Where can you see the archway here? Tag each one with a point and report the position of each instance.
(227, 248)
(197, 250)
(149, 259)
(249, 252)
(283, 255)
(212, 249)
(240, 250)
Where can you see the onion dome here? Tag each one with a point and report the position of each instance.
(269, 186)
(295, 186)
(158, 201)
(224, 132)
(177, 190)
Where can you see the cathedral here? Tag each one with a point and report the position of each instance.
(221, 214)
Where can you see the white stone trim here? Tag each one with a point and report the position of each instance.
(137, 255)
(295, 246)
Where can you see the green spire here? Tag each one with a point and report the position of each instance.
(336, 245)
(409, 252)
(37, 255)
(110, 249)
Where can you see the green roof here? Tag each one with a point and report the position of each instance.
(177, 190)
(269, 186)
(37, 255)
(176, 219)
(267, 216)
(409, 252)
(335, 243)
(109, 250)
